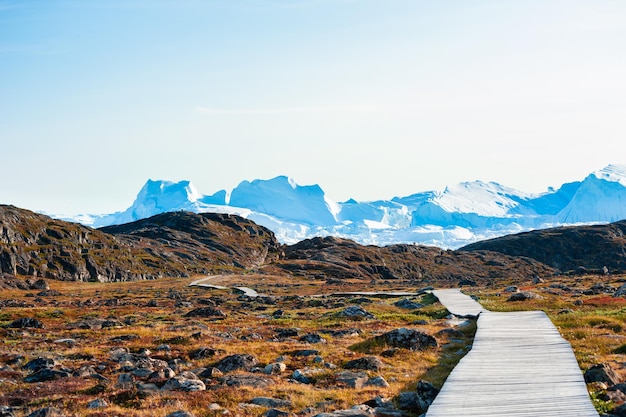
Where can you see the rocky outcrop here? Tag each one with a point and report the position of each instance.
(597, 249)
(171, 244)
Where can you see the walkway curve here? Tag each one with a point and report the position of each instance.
(519, 365)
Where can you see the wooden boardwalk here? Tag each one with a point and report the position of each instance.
(519, 365)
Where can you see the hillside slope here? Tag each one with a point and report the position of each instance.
(172, 244)
(568, 249)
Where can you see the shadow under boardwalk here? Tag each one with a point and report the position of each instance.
(519, 365)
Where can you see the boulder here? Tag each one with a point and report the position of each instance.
(237, 362)
(356, 312)
(408, 339)
(206, 312)
(186, 381)
(47, 412)
(26, 322)
(367, 363)
(601, 373)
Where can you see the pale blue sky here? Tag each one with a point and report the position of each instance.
(368, 99)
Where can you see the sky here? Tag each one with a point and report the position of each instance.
(369, 99)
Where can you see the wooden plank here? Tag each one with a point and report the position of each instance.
(458, 303)
(519, 365)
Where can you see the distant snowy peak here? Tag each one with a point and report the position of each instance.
(601, 197)
(482, 198)
(281, 197)
(612, 173)
(158, 197)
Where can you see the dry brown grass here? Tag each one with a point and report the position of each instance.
(595, 329)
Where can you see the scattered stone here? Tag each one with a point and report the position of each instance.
(344, 333)
(202, 353)
(237, 362)
(312, 338)
(99, 403)
(408, 304)
(180, 413)
(377, 381)
(351, 379)
(408, 339)
(511, 288)
(186, 381)
(47, 412)
(367, 363)
(601, 373)
(356, 312)
(305, 352)
(125, 381)
(243, 380)
(389, 353)
(356, 411)
(419, 400)
(523, 296)
(47, 375)
(270, 402)
(206, 312)
(210, 373)
(26, 322)
(275, 368)
(302, 376)
(275, 413)
(621, 291)
(40, 363)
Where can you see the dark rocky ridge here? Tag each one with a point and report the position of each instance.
(330, 257)
(572, 249)
(182, 244)
(171, 244)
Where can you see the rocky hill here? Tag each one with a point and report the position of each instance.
(331, 257)
(172, 244)
(183, 244)
(572, 249)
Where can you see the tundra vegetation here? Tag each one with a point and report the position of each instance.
(159, 347)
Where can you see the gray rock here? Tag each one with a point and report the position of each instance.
(408, 339)
(180, 413)
(275, 413)
(40, 363)
(99, 403)
(275, 368)
(621, 291)
(523, 296)
(26, 322)
(47, 375)
(237, 362)
(367, 363)
(356, 411)
(601, 373)
(186, 381)
(351, 379)
(419, 400)
(312, 338)
(356, 312)
(206, 312)
(270, 402)
(243, 380)
(211, 372)
(377, 381)
(301, 376)
(47, 412)
(125, 381)
(408, 304)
